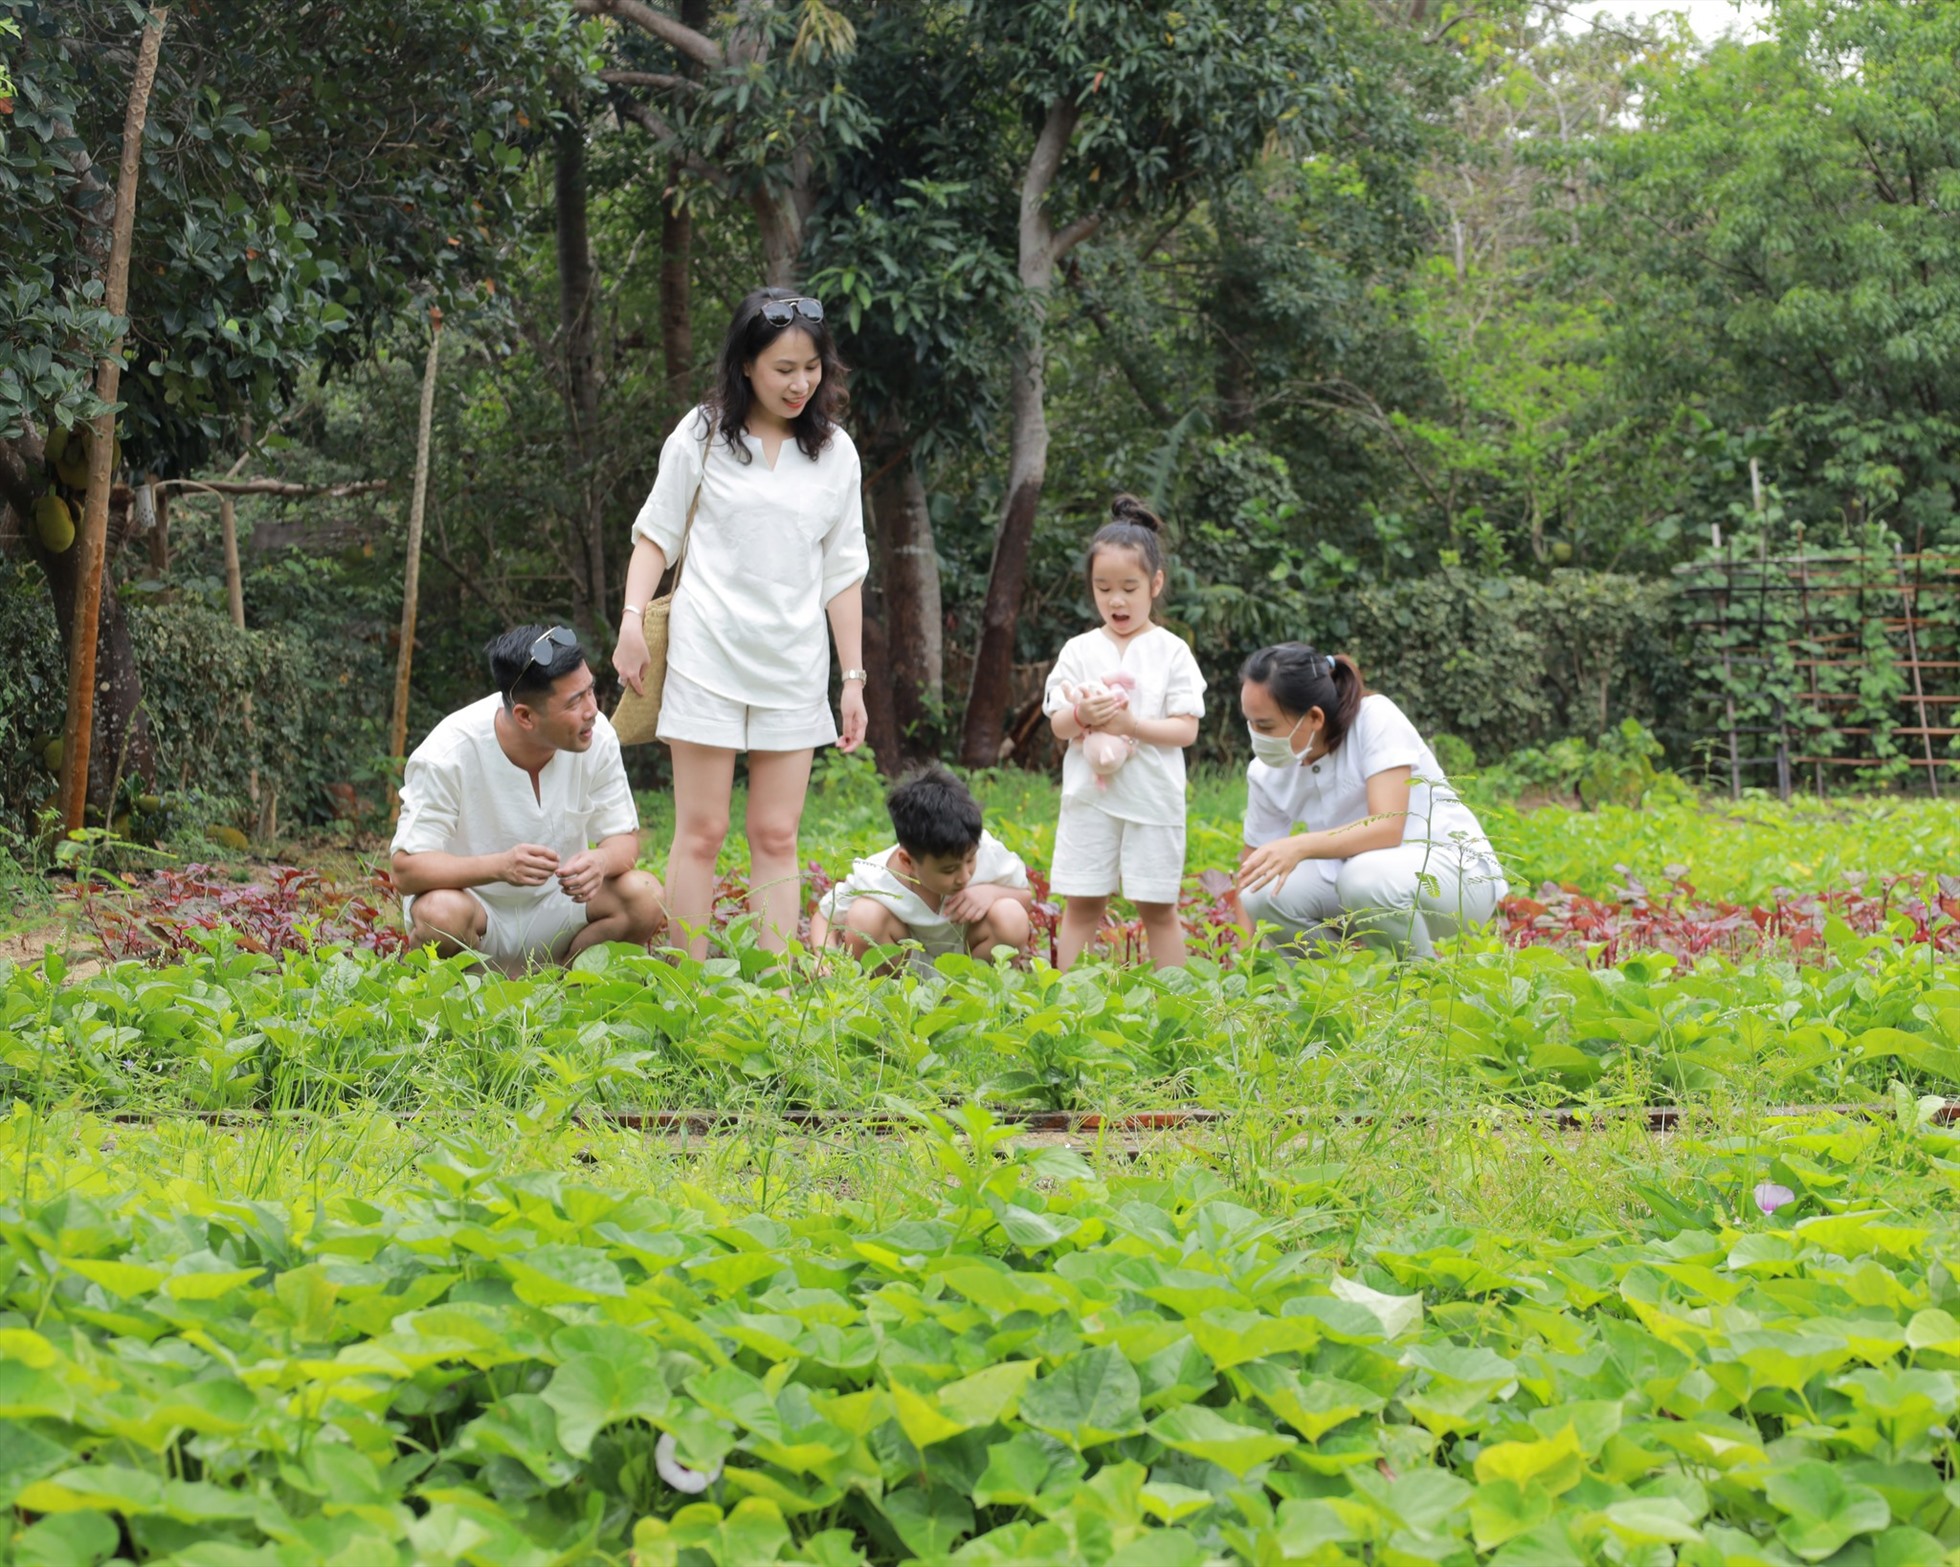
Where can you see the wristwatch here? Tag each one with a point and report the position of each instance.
(859, 675)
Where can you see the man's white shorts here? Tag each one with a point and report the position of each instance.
(1097, 854)
(695, 714)
(538, 932)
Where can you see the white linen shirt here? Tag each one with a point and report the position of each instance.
(1149, 787)
(1333, 791)
(771, 547)
(462, 795)
(996, 865)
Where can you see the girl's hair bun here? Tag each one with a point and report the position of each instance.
(1127, 508)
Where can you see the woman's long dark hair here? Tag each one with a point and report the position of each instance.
(749, 336)
(1302, 678)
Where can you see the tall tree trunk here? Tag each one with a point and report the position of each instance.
(1235, 322)
(1040, 248)
(676, 304)
(781, 231)
(578, 332)
(677, 255)
(914, 619)
(412, 563)
(91, 547)
(881, 731)
(120, 743)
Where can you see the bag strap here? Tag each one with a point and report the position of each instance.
(687, 528)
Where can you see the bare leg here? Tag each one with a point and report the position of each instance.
(1081, 919)
(1006, 924)
(704, 777)
(450, 918)
(1164, 931)
(778, 781)
(625, 908)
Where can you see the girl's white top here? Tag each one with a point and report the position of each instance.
(771, 548)
(1334, 791)
(1149, 787)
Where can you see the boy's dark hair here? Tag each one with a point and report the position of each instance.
(933, 814)
(518, 675)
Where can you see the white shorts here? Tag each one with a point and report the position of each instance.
(695, 714)
(537, 933)
(1097, 854)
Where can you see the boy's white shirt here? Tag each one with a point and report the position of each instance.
(1149, 787)
(771, 547)
(995, 865)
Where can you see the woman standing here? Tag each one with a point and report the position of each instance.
(777, 544)
(1387, 851)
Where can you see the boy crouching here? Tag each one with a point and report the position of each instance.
(947, 884)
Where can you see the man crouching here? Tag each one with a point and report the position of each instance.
(518, 833)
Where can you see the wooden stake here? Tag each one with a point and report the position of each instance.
(412, 573)
(108, 382)
(234, 574)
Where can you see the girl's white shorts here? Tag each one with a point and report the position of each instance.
(1097, 854)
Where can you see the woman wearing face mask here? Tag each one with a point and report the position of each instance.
(1350, 825)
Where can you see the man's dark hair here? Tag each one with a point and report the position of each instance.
(521, 678)
(933, 814)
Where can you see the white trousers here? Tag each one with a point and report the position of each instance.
(1398, 899)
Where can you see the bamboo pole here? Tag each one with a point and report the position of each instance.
(412, 572)
(108, 383)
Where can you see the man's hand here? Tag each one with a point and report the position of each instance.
(971, 902)
(1271, 862)
(529, 865)
(581, 876)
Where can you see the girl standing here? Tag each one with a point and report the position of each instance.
(1387, 851)
(1124, 831)
(777, 545)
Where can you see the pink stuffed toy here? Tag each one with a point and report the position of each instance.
(1105, 753)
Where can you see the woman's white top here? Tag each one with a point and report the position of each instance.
(771, 547)
(1333, 791)
(995, 866)
(1149, 787)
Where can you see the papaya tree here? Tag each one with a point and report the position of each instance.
(308, 171)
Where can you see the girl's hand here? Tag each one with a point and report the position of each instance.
(1122, 723)
(630, 654)
(1096, 711)
(851, 710)
(1271, 862)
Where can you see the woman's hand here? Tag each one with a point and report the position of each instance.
(630, 653)
(851, 710)
(1271, 862)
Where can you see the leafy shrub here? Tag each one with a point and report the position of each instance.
(33, 696)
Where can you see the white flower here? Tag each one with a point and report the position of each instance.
(676, 1473)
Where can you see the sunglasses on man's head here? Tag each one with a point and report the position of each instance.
(780, 312)
(543, 651)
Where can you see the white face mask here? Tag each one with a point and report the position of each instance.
(1277, 750)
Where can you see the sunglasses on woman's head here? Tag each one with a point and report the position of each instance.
(542, 650)
(780, 312)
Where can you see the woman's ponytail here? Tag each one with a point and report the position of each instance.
(1301, 678)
